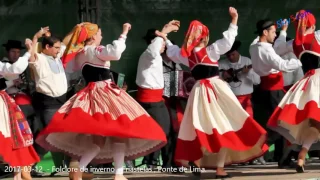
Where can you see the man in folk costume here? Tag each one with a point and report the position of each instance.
(150, 82)
(214, 129)
(246, 76)
(269, 66)
(50, 82)
(281, 44)
(175, 102)
(15, 134)
(101, 123)
(17, 87)
(297, 115)
(289, 78)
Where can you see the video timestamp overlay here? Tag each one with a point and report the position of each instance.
(9, 169)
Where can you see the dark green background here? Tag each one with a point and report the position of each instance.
(22, 18)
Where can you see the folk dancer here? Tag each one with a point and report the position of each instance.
(289, 79)
(50, 84)
(150, 82)
(17, 86)
(210, 133)
(297, 115)
(16, 138)
(269, 66)
(175, 94)
(101, 123)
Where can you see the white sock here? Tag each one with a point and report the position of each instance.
(221, 158)
(88, 156)
(311, 138)
(118, 150)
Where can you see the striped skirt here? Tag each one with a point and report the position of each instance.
(102, 109)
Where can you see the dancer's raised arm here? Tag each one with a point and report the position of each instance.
(223, 45)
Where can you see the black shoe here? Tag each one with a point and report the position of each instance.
(195, 169)
(300, 169)
(222, 176)
(35, 173)
(53, 173)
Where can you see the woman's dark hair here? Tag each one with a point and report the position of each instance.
(51, 40)
(150, 35)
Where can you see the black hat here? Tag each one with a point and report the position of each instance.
(236, 45)
(151, 34)
(263, 24)
(13, 44)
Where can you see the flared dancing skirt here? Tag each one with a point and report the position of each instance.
(23, 156)
(298, 109)
(102, 109)
(214, 120)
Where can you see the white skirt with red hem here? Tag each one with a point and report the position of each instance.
(301, 103)
(24, 156)
(102, 109)
(215, 119)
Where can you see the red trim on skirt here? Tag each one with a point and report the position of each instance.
(102, 124)
(239, 140)
(24, 156)
(149, 95)
(292, 115)
(245, 101)
(272, 82)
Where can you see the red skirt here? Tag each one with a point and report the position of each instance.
(102, 109)
(23, 156)
(214, 120)
(300, 104)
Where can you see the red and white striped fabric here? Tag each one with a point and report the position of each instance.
(102, 109)
(214, 119)
(301, 103)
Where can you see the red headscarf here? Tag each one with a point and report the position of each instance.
(74, 41)
(196, 32)
(305, 20)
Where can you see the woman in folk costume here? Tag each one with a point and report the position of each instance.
(15, 134)
(215, 129)
(101, 123)
(297, 116)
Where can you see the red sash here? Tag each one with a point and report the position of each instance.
(272, 82)
(149, 95)
(245, 101)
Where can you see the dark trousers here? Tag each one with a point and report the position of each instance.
(271, 99)
(175, 105)
(159, 112)
(45, 107)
